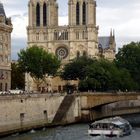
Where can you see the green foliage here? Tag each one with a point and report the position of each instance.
(98, 75)
(38, 62)
(89, 84)
(17, 77)
(128, 57)
(76, 69)
(99, 72)
(103, 75)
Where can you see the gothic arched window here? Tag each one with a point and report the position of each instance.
(84, 13)
(77, 13)
(37, 14)
(44, 14)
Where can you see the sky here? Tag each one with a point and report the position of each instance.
(121, 15)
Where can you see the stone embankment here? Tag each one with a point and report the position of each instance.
(24, 112)
(29, 111)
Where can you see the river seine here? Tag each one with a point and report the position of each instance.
(72, 132)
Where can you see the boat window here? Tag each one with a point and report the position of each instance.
(91, 126)
(96, 126)
(105, 126)
(122, 126)
(111, 126)
(116, 126)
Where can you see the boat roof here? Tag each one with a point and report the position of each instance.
(114, 120)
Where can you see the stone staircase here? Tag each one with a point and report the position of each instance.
(63, 109)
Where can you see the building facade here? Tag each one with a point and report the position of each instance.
(5, 50)
(78, 38)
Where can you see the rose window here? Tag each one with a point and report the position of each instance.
(62, 52)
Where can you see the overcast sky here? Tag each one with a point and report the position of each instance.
(121, 15)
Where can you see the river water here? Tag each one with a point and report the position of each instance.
(71, 132)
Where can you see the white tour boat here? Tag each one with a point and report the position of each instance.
(116, 126)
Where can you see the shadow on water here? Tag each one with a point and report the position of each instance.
(134, 119)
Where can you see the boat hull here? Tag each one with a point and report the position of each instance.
(105, 133)
(116, 126)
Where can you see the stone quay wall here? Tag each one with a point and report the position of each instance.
(29, 111)
(25, 112)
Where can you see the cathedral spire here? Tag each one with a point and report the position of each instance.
(112, 39)
(111, 36)
(111, 32)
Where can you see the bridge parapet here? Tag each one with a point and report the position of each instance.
(91, 100)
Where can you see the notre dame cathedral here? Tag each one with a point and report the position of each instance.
(79, 37)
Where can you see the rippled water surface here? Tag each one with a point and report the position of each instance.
(72, 132)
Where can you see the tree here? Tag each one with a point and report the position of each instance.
(17, 77)
(128, 57)
(110, 78)
(37, 62)
(76, 69)
(98, 75)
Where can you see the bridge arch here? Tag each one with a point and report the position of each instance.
(89, 101)
(92, 105)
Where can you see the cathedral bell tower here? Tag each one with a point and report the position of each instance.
(43, 13)
(82, 12)
(82, 21)
(43, 17)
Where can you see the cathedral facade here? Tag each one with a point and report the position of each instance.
(78, 38)
(5, 50)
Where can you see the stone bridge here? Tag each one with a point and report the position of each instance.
(91, 100)
(92, 104)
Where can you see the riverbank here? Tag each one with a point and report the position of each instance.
(20, 113)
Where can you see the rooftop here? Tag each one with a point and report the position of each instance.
(2, 12)
(104, 42)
